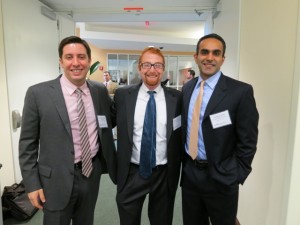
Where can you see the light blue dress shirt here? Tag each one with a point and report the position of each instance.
(209, 87)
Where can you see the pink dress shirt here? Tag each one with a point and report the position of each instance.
(70, 97)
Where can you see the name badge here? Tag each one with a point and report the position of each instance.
(102, 121)
(177, 122)
(220, 119)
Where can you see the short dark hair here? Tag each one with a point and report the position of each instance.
(71, 40)
(215, 36)
(106, 72)
(192, 72)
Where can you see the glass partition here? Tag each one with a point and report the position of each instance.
(123, 69)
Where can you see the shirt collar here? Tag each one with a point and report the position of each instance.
(211, 81)
(145, 89)
(70, 87)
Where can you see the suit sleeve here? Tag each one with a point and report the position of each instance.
(29, 143)
(247, 131)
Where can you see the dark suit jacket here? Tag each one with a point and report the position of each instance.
(46, 150)
(125, 102)
(230, 149)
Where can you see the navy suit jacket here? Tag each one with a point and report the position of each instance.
(230, 149)
(46, 150)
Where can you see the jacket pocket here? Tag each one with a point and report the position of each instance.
(225, 172)
(45, 171)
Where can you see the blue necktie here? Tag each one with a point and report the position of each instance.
(148, 145)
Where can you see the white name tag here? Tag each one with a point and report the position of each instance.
(177, 122)
(220, 119)
(102, 121)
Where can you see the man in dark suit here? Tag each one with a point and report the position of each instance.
(161, 184)
(188, 76)
(52, 142)
(220, 147)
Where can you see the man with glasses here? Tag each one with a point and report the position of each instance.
(149, 144)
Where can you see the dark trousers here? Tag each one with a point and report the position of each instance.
(204, 200)
(80, 209)
(131, 198)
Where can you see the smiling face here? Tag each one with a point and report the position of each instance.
(151, 76)
(75, 63)
(210, 57)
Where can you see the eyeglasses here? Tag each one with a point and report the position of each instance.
(148, 65)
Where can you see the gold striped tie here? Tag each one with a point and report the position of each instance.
(194, 131)
(87, 165)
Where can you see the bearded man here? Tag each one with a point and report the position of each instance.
(149, 144)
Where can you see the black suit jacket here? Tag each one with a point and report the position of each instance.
(125, 102)
(230, 149)
(46, 150)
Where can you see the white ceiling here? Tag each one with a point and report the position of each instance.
(175, 25)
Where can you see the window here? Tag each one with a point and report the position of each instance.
(124, 69)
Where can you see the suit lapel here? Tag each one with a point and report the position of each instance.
(58, 99)
(171, 103)
(130, 108)
(217, 95)
(188, 94)
(95, 97)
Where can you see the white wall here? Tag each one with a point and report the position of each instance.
(227, 24)
(66, 26)
(6, 173)
(267, 61)
(261, 49)
(30, 42)
(291, 213)
(4, 128)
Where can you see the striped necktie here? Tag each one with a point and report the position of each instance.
(195, 123)
(87, 165)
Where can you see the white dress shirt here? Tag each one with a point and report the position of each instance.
(161, 124)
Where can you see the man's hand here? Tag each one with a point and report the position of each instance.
(37, 198)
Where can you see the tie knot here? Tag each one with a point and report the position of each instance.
(151, 93)
(78, 92)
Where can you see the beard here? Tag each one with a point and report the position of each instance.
(152, 80)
